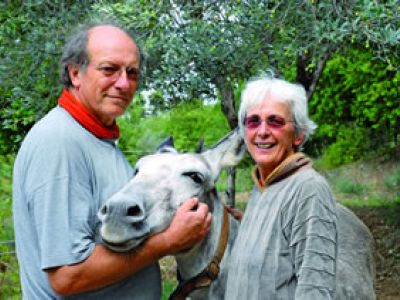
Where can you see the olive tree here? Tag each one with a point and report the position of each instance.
(201, 49)
(31, 37)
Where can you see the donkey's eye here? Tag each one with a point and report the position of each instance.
(195, 176)
(135, 171)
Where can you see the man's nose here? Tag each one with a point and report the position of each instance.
(123, 81)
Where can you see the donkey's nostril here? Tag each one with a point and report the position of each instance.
(137, 225)
(103, 210)
(134, 211)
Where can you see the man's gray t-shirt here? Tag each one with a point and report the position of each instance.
(62, 176)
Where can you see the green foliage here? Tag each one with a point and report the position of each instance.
(244, 182)
(198, 50)
(31, 38)
(356, 107)
(11, 285)
(392, 181)
(350, 146)
(168, 288)
(187, 123)
(349, 186)
(352, 200)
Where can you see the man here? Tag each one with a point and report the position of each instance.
(69, 164)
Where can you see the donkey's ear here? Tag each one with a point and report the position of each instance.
(228, 152)
(200, 146)
(167, 145)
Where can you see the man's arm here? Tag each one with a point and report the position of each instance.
(104, 267)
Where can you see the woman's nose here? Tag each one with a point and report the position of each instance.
(263, 129)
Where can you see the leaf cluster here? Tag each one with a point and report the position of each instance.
(31, 37)
(356, 107)
(187, 123)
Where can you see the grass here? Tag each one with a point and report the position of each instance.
(392, 181)
(243, 181)
(370, 183)
(169, 286)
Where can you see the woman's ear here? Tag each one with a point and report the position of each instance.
(298, 139)
(74, 74)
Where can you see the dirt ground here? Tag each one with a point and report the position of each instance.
(386, 231)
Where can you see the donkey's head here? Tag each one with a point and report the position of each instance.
(161, 182)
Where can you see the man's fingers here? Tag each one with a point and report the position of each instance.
(190, 204)
(208, 221)
(202, 208)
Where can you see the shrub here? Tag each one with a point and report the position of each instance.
(11, 285)
(350, 146)
(348, 186)
(392, 181)
(187, 123)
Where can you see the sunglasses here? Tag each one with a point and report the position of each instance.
(272, 121)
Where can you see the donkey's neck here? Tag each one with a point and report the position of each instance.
(196, 259)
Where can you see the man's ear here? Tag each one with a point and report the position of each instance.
(74, 75)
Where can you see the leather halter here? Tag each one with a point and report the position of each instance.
(209, 273)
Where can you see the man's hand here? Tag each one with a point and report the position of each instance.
(191, 224)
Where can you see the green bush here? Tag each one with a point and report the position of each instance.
(392, 181)
(351, 145)
(168, 287)
(31, 37)
(349, 186)
(355, 93)
(244, 182)
(11, 285)
(187, 123)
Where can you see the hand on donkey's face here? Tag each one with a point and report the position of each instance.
(191, 224)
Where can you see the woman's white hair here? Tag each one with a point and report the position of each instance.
(260, 89)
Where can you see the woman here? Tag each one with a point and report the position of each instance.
(286, 245)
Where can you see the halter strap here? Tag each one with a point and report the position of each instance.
(209, 273)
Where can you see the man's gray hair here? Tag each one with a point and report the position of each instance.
(75, 48)
(259, 89)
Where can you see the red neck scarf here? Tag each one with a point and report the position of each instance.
(85, 118)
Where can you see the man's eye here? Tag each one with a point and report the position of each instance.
(108, 70)
(132, 73)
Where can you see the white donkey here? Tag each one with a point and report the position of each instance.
(164, 180)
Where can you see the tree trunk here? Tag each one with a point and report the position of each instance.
(309, 77)
(227, 101)
(228, 108)
(230, 191)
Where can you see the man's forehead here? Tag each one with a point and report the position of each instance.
(108, 40)
(107, 30)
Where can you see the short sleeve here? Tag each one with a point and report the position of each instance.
(61, 210)
(60, 201)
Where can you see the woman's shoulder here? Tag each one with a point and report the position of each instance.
(309, 178)
(308, 184)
